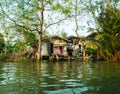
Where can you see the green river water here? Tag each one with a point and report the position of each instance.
(63, 77)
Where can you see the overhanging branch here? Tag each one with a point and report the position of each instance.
(54, 23)
(15, 22)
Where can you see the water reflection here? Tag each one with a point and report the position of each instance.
(47, 77)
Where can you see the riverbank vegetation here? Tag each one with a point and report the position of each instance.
(25, 23)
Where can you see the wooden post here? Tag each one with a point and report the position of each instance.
(83, 50)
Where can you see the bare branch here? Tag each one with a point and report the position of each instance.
(54, 23)
(27, 28)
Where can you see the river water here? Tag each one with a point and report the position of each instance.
(63, 77)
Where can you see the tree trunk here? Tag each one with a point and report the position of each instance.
(76, 20)
(40, 30)
(39, 46)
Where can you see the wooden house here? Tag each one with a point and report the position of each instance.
(57, 42)
(75, 40)
(51, 47)
(47, 49)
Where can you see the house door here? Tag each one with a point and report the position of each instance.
(51, 48)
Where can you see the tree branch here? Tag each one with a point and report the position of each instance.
(54, 23)
(15, 22)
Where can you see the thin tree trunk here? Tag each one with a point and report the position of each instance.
(39, 46)
(76, 20)
(76, 30)
(40, 30)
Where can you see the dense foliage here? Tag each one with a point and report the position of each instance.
(109, 39)
(2, 43)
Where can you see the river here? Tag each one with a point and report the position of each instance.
(63, 77)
